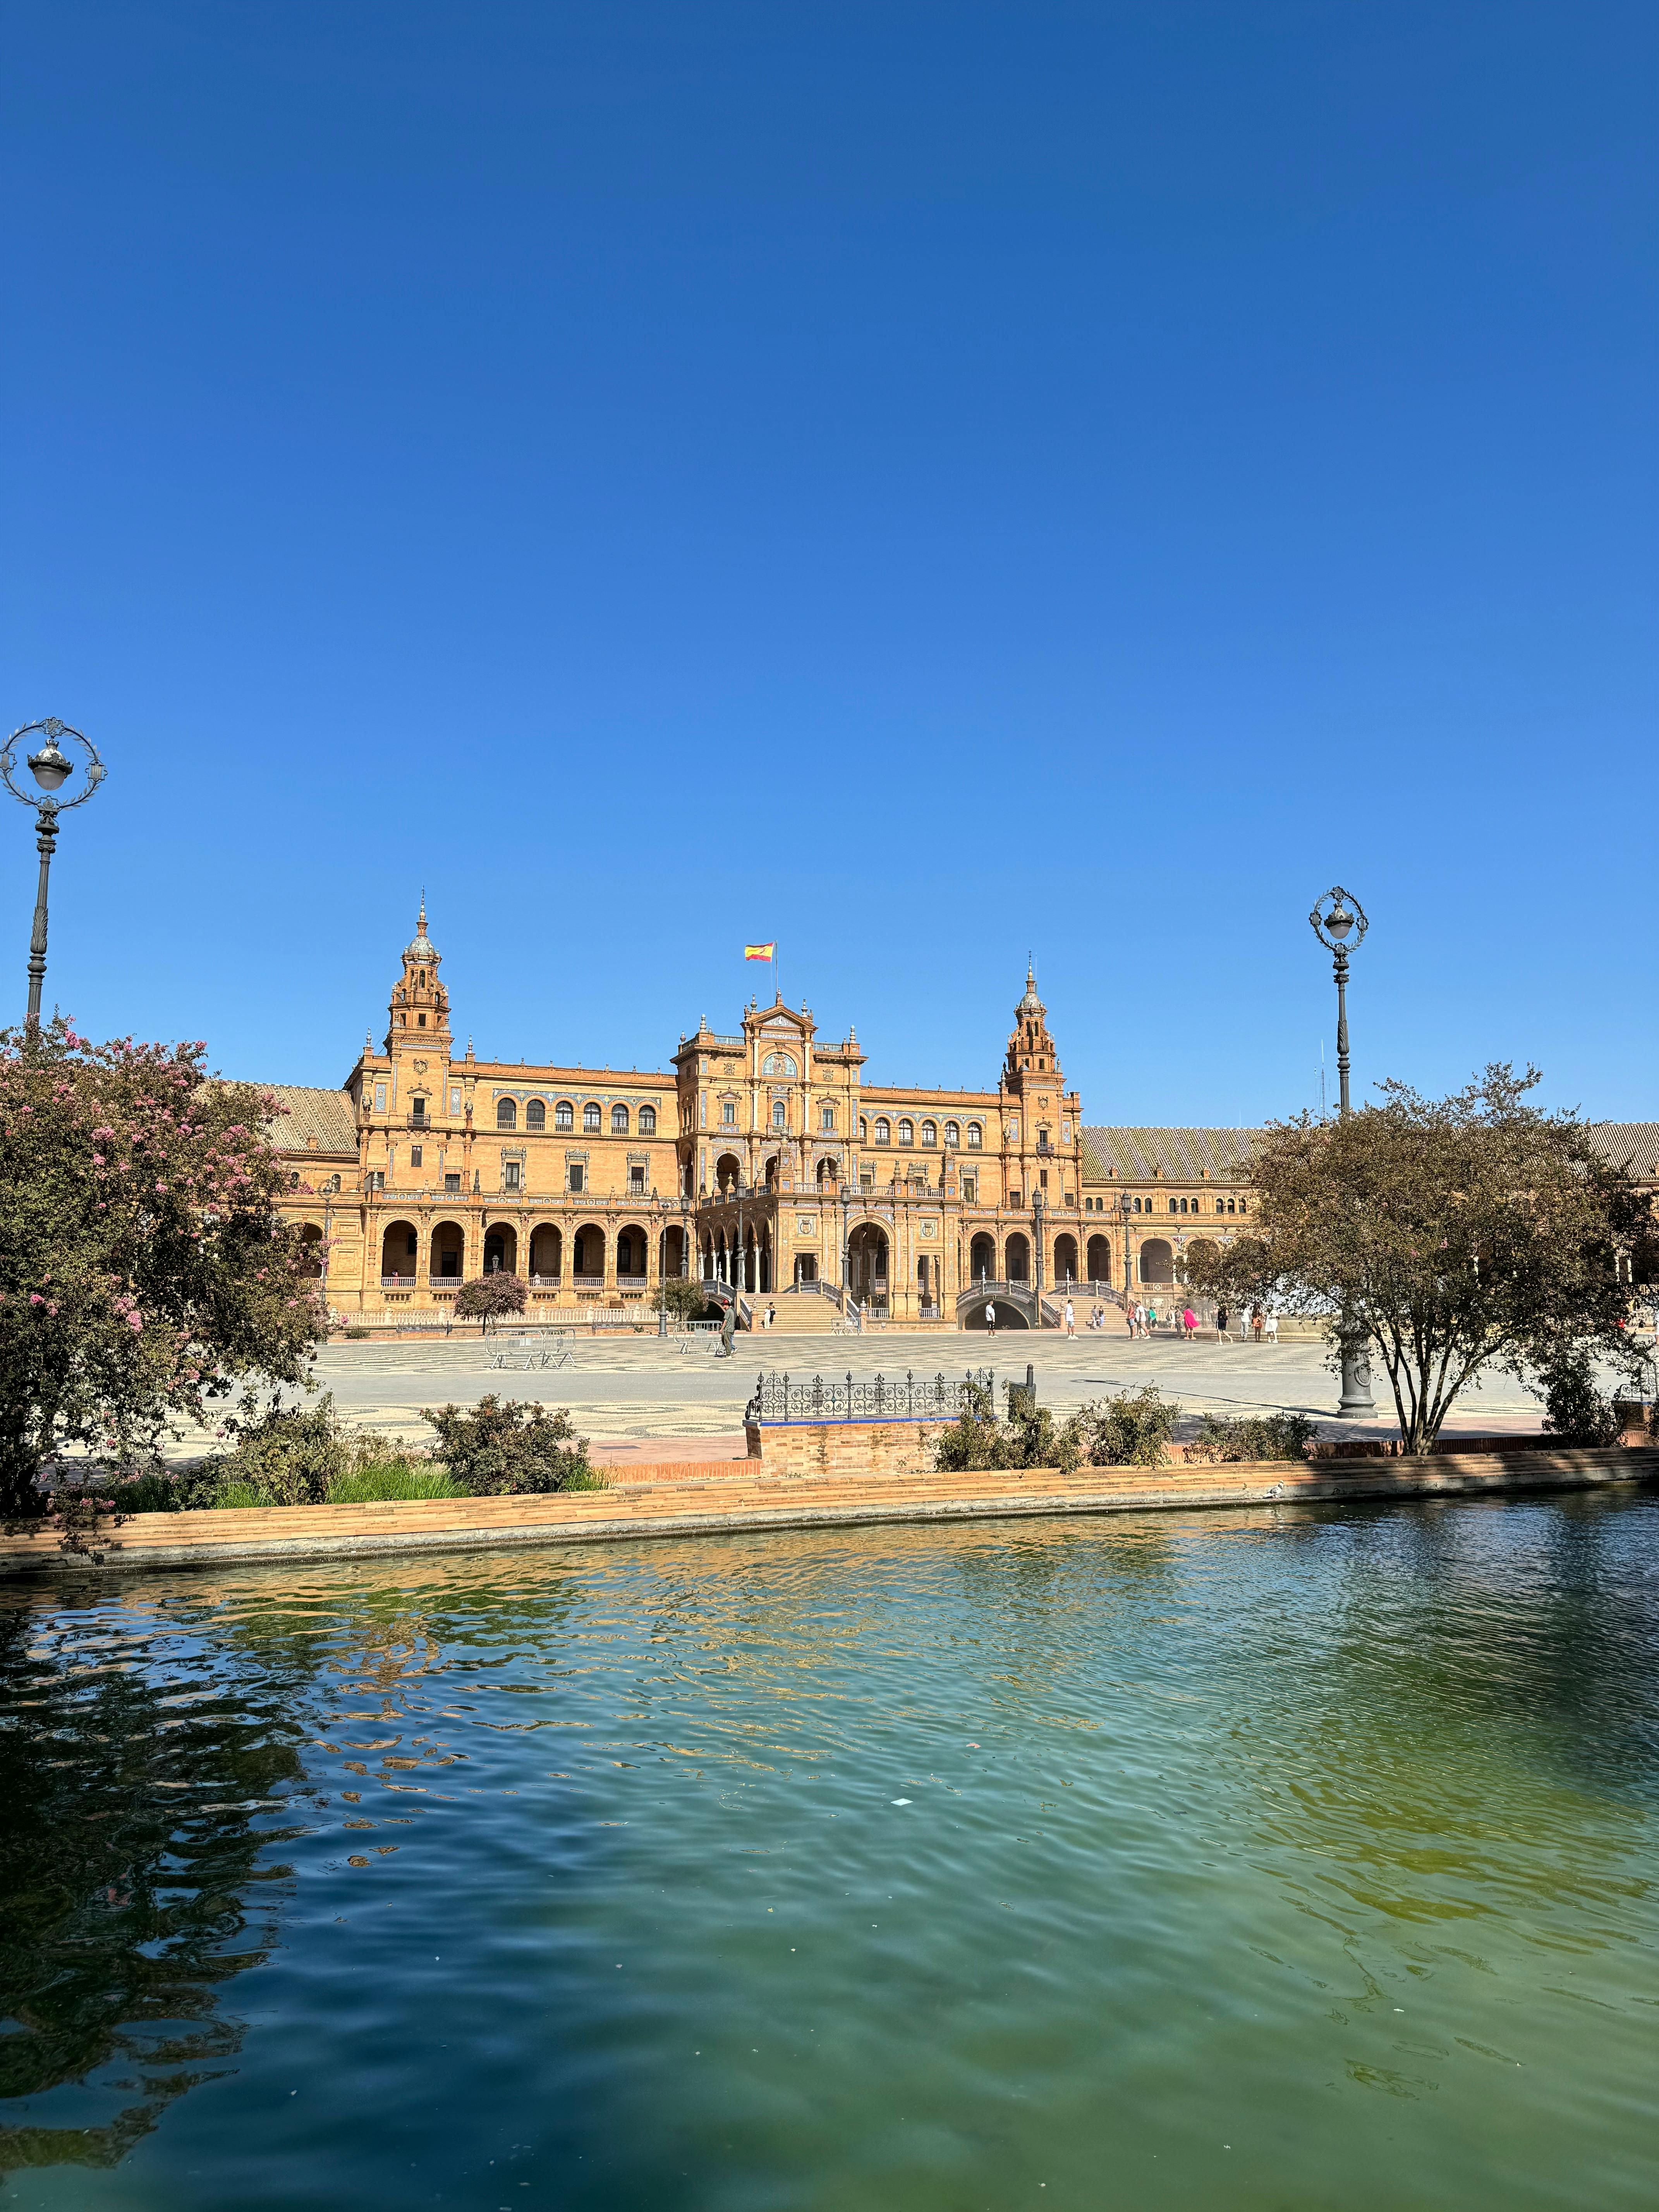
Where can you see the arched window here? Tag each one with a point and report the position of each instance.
(535, 1114)
(929, 1134)
(953, 1134)
(592, 1117)
(864, 1130)
(883, 1133)
(619, 1121)
(826, 1117)
(907, 1133)
(506, 1114)
(564, 1115)
(779, 1113)
(975, 1136)
(647, 1120)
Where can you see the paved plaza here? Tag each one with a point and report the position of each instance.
(631, 1397)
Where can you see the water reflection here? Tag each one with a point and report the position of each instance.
(136, 1875)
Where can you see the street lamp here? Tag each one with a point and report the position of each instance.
(1125, 1206)
(1337, 917)
(52, 768)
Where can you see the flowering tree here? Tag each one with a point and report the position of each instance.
(144, 1268)
(487, 1298)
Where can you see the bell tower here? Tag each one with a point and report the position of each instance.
(1030, 1047)
(419, 1010)
(1040, 1117)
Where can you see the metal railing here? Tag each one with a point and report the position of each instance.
(782, 1397)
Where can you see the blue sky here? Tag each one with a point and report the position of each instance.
(920, 483)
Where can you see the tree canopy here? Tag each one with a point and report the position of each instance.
(1454, 1234)
(144, 1269)
(488, 1298)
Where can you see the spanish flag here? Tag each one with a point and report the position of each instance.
(760, 952)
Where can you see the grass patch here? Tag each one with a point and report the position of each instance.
(229, 1497)
(391, 1479)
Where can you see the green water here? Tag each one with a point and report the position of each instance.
(1261, 1860)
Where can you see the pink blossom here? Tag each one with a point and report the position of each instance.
(35, 1299)
(135, 1320)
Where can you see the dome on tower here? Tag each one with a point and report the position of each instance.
(1030, 1005)
(423, 948)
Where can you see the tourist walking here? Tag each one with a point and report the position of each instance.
(1221, 1324)
(1070, 1320)
(1189, 1324)
(991, 1315)
(1255, 1323)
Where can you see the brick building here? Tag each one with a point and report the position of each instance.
(758, 1157)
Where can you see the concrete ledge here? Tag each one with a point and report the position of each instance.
(727, 1495)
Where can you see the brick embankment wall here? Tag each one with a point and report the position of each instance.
(845, 1447)
(734, 1497)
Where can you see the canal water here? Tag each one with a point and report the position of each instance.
(1293, 1859)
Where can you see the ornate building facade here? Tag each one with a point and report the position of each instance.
(758, 1159)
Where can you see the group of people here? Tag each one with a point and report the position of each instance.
(1255, 1321)
(1144, 1319)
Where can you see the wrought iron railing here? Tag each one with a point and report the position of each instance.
(829, 1398)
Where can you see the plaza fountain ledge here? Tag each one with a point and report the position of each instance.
(704, 1498)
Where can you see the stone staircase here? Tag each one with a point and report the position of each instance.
(799, 1313)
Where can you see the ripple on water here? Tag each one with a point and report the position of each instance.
(1292, 1858)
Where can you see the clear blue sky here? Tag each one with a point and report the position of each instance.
(916, 481)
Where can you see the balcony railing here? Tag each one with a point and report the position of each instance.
(545, 1282)
(397, 1282)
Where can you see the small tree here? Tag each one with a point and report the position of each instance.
(1197, 1264)
(487, 1298)
(1455, 1234)
(144, 1269)
(682, 1299)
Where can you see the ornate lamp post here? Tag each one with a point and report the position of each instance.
(1125, 1205)
(1336, 918)
(52, 768)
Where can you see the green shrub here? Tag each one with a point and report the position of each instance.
(391, 1479)
(1131, 1429)
(356, 1334)
(1253, 1436)
(1028, 1437)
(1575, 1411)
(280, 1456)
(288, 1454)
(505, 1446)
